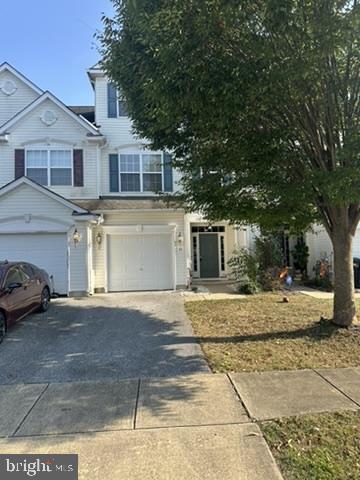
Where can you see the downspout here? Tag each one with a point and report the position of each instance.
(92, 225)
(98, 169)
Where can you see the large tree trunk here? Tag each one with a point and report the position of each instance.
(344, 299)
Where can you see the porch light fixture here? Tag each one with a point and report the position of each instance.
(76, 237)
(180, 239)
(98, 238)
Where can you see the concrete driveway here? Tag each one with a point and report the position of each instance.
(105, 337)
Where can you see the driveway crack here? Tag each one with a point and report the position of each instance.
(136, 403)
(31, 409)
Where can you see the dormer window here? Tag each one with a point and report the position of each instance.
(116, 103)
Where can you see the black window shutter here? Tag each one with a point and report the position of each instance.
(78, 170)
(112, 100)
(114, 172)
(19, 163)
(168, 173)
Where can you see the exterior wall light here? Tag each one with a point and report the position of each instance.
(76, 237)
(98, 238)
(180, 239)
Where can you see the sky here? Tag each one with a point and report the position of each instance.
(52, 43)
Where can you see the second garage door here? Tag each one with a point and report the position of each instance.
(140, 262)
(45, 250)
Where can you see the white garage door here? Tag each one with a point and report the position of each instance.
(47, 251)
(140, 262)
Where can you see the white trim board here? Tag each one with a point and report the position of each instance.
(139, 229)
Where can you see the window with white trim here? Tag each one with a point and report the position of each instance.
(121, 106)
(152, 172)
(141, 172)
(50, 167)
(130, 173)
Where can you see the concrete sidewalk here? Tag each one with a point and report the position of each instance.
(319, 294)
(195, 426)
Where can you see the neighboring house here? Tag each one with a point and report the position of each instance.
(320, 247)
(77, 197)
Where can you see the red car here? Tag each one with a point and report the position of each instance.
(24, 288)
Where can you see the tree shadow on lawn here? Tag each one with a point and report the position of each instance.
(316, 332)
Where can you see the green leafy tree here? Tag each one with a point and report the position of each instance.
(259, 102)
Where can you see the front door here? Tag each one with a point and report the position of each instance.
(209, 255)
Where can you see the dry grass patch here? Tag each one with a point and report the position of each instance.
(316, 447)
(261, 333)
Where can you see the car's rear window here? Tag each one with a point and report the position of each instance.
(28, 269)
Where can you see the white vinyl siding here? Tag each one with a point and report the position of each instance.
(65, 134)
(10, 105)
(118, 132)
(320, 246)
(32, 210)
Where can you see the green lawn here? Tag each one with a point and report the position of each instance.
(316, 447)
(259, 333)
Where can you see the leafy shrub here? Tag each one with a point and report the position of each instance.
(268, 253)
(270, 279)
(244, 269)
(300, 254)
(270, 259)
(321, 283)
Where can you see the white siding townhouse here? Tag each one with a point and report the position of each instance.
(77, 197)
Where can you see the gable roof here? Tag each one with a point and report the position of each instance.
(86, 111)
(55, 196)
(6, 66)
(49, 96)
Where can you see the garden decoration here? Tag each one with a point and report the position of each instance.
(287, 279)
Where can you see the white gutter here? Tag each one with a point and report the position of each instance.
(98, 169)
